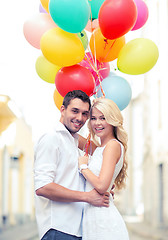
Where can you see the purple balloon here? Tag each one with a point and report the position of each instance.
(41, 9)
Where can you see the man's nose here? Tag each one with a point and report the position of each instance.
(79, 117)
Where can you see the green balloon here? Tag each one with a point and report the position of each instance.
(70, 15)
(95, 7)
(83, 37)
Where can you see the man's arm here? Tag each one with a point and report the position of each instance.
(59, 193)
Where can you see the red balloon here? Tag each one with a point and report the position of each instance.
(117, 17)
(74, 77)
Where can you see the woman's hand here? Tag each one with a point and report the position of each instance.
(83, 160)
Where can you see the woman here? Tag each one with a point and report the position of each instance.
(106, 167)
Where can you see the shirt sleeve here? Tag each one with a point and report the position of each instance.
(45, 160)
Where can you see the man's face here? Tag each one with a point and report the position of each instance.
(75, 115)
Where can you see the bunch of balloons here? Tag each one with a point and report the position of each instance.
(72, 60)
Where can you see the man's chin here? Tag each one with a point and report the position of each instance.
(73, 130)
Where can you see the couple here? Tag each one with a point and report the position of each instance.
(60, 197)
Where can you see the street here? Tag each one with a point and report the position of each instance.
(134, 236)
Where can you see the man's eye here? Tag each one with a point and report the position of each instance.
(74, 111)
(92, 118)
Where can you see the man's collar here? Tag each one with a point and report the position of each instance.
(60, 127)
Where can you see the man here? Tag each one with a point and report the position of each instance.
(59, 186)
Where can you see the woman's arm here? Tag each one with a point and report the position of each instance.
(111, 156)
(82, 144)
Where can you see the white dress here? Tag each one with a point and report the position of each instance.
(101, 223)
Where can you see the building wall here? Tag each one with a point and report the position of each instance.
(148, 128)
(16, 164)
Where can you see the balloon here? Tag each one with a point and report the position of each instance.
(92, 25)
(41, 9)
(116, 18)
(74, 77)
(58, 99)
(83, 37)
(45, 4)
(103, 49)
(143, 13)
(46, 70)
(138, 56)
(117, 89)
(95, 7)
(99, 70)
(62, 48)
(35, 27)
(70, 15)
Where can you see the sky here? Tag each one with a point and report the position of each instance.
(18, 77)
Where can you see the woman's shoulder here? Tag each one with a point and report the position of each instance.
(113, 145)
(113, 142)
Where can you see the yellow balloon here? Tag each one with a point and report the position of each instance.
(58, 99)
(62, 48)
(46, 70)
(138, 56)
(45, 4)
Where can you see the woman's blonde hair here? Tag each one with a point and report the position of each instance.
(113, 117)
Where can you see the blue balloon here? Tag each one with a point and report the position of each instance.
(117, 89)
(95, 7)
(70, 15)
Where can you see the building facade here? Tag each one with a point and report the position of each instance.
(16, 163)
(147, 117)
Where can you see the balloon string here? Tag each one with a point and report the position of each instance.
(93, 57)
(109, 47)
(87, 145)
(91, 19)
(94, 65)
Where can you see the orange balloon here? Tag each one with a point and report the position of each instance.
(58, 99)
(45, 4)
(105, 50)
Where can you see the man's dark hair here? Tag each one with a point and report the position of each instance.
(76, 94)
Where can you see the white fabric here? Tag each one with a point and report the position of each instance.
(100, 222)
(56, 160)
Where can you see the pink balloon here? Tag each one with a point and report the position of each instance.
(92, 25)
(99, 70)
(35, 27)
(142, 16)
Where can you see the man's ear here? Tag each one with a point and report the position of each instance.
(62, 108)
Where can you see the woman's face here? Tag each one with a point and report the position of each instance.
(99, 125)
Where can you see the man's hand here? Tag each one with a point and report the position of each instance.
(98, 200)
(112, 191)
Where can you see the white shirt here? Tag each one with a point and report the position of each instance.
(56, 160)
